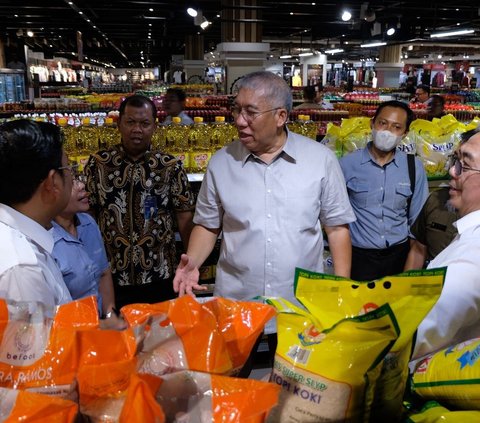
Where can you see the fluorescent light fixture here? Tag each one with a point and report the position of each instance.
(452, 33)
(390, 31)
(204, 24)
(374, 44)
(192, 12)
(307, 53)
(30, 33)
(286, 56)
(334, 50)
(346, 16)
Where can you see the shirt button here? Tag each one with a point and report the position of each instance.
(381, 188)
(269, 215)
(269, 264)
(269, 240)
(269, 191)
(268, 285)
(382, 236)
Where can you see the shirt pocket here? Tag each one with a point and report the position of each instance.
(358, 193)
(402, 194)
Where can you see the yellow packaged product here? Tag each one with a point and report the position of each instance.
(451, 376)
(325, 370)
(411, 295)
(433, 412)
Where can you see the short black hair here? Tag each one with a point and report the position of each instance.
(309, 92)
(425, 88)
(28, 151)
(137, 101)
(440, 100)
(399, 105)
(177, 92)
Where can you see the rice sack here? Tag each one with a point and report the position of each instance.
(451, 376)
(433, 412)
(28, 407)
(324, 370)
(411, 295)
(203, 398)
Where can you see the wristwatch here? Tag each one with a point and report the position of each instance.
(110, 313)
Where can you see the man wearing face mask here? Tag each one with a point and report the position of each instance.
(385, 195)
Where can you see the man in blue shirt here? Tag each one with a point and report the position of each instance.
(380, 191)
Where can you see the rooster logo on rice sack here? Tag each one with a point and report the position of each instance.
(311, 336)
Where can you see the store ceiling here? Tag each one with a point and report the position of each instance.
(117, 31)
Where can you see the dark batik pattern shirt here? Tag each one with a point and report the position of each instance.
(141, 250)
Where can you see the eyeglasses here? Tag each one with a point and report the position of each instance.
(459, 167)
(249, 115)
(73, 169)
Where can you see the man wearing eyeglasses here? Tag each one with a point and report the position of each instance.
(455, 317)
(270, 193)
(35, 185)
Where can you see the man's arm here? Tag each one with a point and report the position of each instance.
(201, 243)
(416, 256)
(185, 225)
(341, 248)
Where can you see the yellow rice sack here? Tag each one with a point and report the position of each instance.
(324, 370)
(433, 412)
(451, 376)
(411, 295)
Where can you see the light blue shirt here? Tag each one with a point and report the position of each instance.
(379, 195)
(271, 215)
(81, 260)
(186, 120)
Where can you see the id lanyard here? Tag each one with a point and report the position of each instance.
(150, 207)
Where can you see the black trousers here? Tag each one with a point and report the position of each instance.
(369, 264)
(255, 358)
(151, 293)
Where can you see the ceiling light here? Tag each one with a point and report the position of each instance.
(307, 53)
(334, 50)
(390, 31)
(192, 12)
(452, 33)
(381, 43)
(286, 56)
(410, 47)
(439, 56)
(346, 16)
(30, 33)
(150, 10)
(205, 23)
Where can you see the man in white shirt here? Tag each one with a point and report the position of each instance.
(455, 317)
(35, 185)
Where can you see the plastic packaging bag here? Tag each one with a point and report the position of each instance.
(411, 295)
(202, 398)
(433, 412)
(451, 376)
(324, 370)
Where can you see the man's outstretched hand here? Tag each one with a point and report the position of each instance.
(186, 277)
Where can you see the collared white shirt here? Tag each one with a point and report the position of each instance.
(28, 271)
(456, 315)
(271, 215)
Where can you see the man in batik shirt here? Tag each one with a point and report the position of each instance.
(137, 196)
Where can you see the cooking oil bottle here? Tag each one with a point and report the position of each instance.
(220, 134)
(309, 127)
(159, 138)
(199, 142)
(177, 140)
(296, 125)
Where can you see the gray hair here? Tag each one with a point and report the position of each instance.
(275, 89)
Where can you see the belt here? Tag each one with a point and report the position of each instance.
(382, 251)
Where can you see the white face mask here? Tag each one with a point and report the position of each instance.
(385, 140)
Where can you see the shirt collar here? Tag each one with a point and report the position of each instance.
(288, 149)
(367, 155)
(29, 227)
(466, 222)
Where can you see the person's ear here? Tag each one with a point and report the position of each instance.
(282, 117)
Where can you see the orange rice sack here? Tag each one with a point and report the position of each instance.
(28, 407)
(240, 323)
(113, 392)
(201, 397)
(38, 353)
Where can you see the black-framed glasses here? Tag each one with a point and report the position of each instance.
(249, 115)
(459, 167)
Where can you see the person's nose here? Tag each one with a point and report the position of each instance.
(452, 172)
